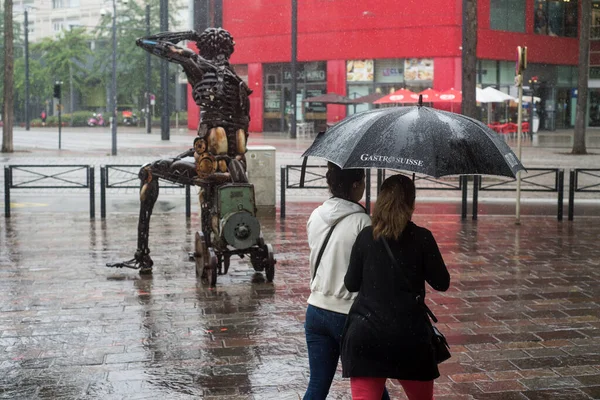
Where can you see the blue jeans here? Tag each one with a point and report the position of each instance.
(323, 338)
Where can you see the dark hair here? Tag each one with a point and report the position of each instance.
(340, 181)
(394, 206)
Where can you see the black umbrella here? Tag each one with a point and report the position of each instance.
(418, 139)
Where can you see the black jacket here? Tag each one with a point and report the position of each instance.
(386, 333)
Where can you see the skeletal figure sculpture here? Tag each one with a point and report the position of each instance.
(220, 146)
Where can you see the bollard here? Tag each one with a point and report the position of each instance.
(476, 183)
(92, 183)
(6, 192)
(561, 187)
(102, 192)
(282, 198)
(464, 182)
(572, 184)
(188, 206)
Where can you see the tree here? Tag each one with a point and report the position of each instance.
(7, 127)
(66, 57)
(131, 24)
(582, 83)
(469, 58)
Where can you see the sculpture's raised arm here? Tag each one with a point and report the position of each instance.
(164, 45)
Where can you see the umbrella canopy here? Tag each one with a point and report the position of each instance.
(369, 99)
(492, 95)
(330, 98)
(399, 96)
(430, 95)
(418, 139)
(452, 96)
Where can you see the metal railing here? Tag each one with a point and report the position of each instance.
(313, 177)
(535, 180)
(48, 177)
(583, 180)
(122, 177)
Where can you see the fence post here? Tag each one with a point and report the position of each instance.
(282, 197)
(572, 184)
(464, 182)
(103, 192)
(561, 188)
(92, 183)
(368, 191)
(476, 180)
(188, 207)
(7, 183)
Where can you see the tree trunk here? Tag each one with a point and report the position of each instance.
(7, 117)
(582, 83)
(469, 58)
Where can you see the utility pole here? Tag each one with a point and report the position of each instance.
(521, 66)
(148, 69)
(164, 75)
(9, 79)
(294, 66)
(26, 25)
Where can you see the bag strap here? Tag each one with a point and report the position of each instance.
(418, 297)
(323, 249)
(325, 243)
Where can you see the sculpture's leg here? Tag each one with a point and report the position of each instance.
(148, 195)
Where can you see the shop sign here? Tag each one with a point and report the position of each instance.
(418, 69)
(272, 100)
(595, 73)
(359, 71)
(311, 76)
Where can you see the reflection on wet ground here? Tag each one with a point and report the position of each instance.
(522, 314)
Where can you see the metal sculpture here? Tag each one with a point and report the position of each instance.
(228, 211)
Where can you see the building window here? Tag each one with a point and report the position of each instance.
(57, 3)
(507, 15)
(58, 26)
(555, 18)
(595, 33)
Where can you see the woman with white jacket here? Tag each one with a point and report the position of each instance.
(339, 219)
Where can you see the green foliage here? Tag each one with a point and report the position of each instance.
(131, 60)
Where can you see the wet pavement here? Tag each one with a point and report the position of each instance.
(522, 315)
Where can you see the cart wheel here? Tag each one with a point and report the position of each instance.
(270, 264)
(226, 262)
(210, 271)
(256, 258)
(200, 254)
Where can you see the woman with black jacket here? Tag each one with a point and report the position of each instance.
(387, 334)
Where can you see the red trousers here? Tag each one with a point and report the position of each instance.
(367, 388)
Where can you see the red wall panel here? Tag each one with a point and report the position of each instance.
(255, 82)
(338, 30)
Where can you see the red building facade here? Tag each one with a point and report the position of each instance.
(354, 48)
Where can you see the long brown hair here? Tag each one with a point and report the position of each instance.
(394, 207)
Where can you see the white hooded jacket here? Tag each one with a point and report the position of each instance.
(327, 288)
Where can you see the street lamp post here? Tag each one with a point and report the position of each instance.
(113, 94)
(26, 26)
(148, 67)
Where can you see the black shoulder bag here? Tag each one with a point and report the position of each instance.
(440, 345)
